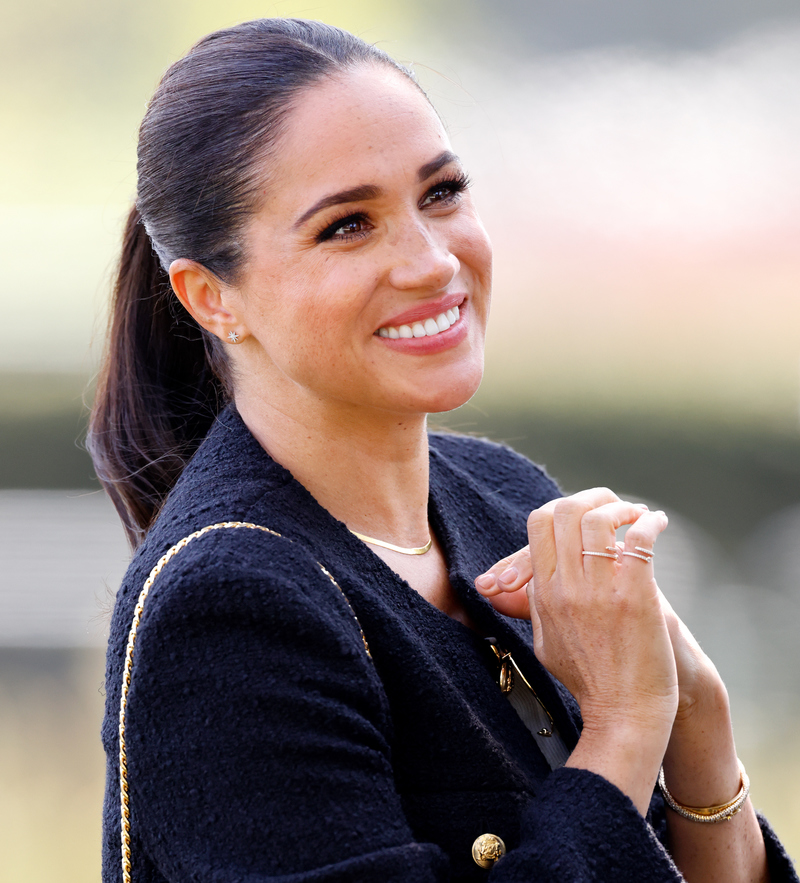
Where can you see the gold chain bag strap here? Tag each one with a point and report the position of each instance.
(128, 668)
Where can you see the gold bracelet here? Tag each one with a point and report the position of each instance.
(709, 814)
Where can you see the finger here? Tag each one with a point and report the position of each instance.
(567, 516)
(513, 604)
(514, 571)
(542, 542)
(508, 575)
(637, 550)
(599, 533)
(536, 622)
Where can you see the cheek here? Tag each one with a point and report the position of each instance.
(338, 294)
(472, 247)
(312, 321)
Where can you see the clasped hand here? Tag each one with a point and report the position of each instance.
(601, 625)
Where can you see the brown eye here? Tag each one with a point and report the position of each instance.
(445, 192)
(439, 194)
(346, 229)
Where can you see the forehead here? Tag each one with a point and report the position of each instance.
(355, 128)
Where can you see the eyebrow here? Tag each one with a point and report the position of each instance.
(354, 194)
(444, 159)
(370, 191)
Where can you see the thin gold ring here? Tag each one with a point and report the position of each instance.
(611, 552)
(646, 555)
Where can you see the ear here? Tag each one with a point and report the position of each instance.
(204, 297)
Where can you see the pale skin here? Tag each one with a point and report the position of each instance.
(687, 713)
(370, 227)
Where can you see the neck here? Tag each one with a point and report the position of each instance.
(368, 470)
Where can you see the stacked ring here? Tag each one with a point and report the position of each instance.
(646, 555)
(611, 552)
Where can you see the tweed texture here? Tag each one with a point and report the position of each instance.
(265, 745)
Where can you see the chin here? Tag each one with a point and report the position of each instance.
(454, 393)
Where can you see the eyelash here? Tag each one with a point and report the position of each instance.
(454, 185)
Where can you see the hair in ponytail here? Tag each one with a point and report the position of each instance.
(204, 146)
(159, 391)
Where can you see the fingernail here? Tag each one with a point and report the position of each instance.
(485, 581)
(509, 575)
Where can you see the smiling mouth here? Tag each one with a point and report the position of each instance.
(427, 328)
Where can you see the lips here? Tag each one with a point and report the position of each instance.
(425, 327)
(424, 310)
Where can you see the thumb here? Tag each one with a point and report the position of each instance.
(536, 622)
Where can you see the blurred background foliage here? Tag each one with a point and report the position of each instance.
(637, 166)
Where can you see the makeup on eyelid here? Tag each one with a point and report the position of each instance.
(454, 184)
(387, 313)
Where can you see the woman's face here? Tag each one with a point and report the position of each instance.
(367, 281)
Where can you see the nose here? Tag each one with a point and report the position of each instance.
(419, 261)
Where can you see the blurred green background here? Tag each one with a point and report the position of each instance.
(637, 167)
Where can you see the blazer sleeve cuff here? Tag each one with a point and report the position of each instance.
(580, 827)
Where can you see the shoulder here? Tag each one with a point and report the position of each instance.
(234, 570)
(228, 474)
(234, 600)
(227, 584)
(498, 468)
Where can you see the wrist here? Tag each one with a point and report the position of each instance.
(709, 814)
(627, 754)
(644, 724)
(701, 767)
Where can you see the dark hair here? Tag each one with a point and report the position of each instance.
(214, 118)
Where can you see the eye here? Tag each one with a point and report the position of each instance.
(447, 192)
(345, 229)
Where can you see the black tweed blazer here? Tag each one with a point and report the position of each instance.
(264, 744)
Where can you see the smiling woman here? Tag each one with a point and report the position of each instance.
(317, 668)
(328, 268)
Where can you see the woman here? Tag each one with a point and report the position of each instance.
(313, 693)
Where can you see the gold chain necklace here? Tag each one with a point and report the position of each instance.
(403, 550)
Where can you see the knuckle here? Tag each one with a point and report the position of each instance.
(542, 596)
(594, 520)
(538, 519)
(636, 536)
(554, 604)
(569, 506)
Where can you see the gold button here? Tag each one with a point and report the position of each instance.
(487, 849)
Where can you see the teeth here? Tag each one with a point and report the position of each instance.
(428, 328)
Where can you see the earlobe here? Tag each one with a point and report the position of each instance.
(204, 297)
